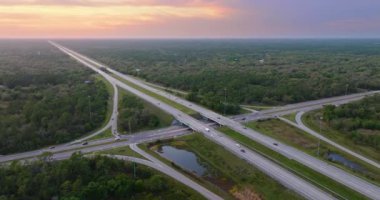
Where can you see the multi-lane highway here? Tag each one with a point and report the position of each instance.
(99, 145)
(285, 177)
(337, 174)
(304, 106)
(320, 166)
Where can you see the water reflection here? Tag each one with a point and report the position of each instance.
(340, 159)
(185, 159)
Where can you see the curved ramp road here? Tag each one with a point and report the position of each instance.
(345, 178)
(111, 123)
(304, 106)
(283, 176)
(159, 166)
(141, 137)
(322, 167)
(303, 127)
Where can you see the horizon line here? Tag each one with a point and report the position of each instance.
(180, 38)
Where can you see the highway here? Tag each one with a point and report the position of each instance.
(99, 145)
(352, 181)
(155, 164)
(283, 176)
(303, 127)
(345, 178)
(304, 106)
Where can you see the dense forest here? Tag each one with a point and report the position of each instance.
(359, 121)
(45, 97)
(233, 72)
(83, 178)
(133, 116)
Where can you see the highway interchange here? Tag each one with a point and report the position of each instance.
(285, 177)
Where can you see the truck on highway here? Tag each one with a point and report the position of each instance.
(207, 129)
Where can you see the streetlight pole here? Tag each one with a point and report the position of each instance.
(346, 89)
(320, 132)
(225, 100)
(89, 107)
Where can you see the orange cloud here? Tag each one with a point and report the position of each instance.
(53, 18)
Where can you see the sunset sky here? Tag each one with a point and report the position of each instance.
(189, 18)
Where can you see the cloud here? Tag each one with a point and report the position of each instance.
(69, 18)
(112, 2)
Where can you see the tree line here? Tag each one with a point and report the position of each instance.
(359, 121)
(250, 71)
(45, 97)
(87, 178)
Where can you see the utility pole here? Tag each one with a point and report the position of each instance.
(129, 126)
(134, 166)
(89, 107)
(225, 100)
(320, 132)
(346, 89)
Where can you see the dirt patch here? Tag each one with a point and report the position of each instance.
(222, 183)
(245, 193)
(369, 132)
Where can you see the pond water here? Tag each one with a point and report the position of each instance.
(340, 159)
(185, 159)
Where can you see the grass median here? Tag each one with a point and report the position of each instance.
(322, 181)
(307, 143)
(157, 96)
(231, 174)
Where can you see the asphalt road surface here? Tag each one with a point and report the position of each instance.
(286, 178)
(352, 181)
(98, 145)
(368, 189)
(303, 127)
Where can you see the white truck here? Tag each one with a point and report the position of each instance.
(207, 129)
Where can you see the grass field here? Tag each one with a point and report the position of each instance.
(124, 151)
(312, 176)
(105, 134)
(297, 138)
(245, 179)
(291, 117)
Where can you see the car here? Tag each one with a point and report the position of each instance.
(275, 144)
(85, 143)
(243, 118)
(53, 147)
(218, 117)
(245, 127)
(242, 150)
(117, 138)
